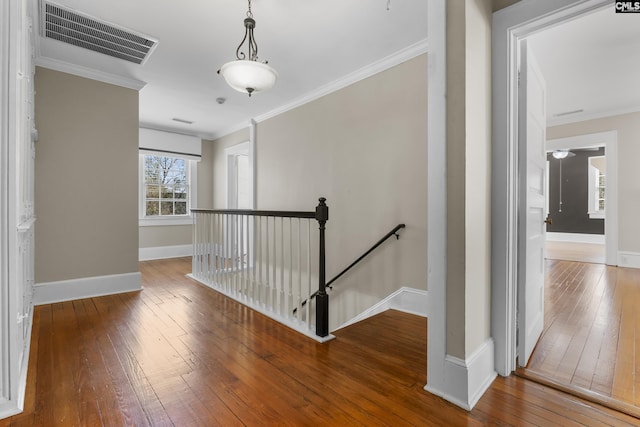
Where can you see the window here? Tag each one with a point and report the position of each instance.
(597, 182)
(165, 186)
(166, 192)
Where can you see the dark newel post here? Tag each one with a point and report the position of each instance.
(322, 299)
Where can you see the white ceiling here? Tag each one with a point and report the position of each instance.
(311, 43)
(591, 63)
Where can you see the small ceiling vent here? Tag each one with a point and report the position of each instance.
(68, 26)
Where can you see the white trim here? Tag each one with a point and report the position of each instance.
(509, 26)
(575, 238)
(436, 195)
(253, 162)
(405, 299)
(297, 326)
(165, 220)
(16, 406)
(22, 381)
(89, 73)
(383, 64)
(164, 252)
(227, 131)
(467, 380)
(168, 220)
(608, 140)
(629, 259)
(86, 287)
(243, 148)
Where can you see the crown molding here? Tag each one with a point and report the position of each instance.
(231, 129)
(383, 64)
(89, 73)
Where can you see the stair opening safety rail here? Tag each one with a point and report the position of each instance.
(263, 259)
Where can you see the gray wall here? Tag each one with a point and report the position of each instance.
(573, 217)
(86, 174)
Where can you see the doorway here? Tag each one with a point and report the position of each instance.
(579, 243)
(510, 27)
(239, 176)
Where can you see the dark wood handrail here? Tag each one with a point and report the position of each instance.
(251, 212)
(393, 232)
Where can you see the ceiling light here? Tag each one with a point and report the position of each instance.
(560, 154)
(246, 74)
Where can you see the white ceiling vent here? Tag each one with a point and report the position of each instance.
(68, 26)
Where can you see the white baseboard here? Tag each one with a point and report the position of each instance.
(629, 259)
(86, 287)
(576, 238)
(465, 381)
(405, 299)
(163, 252)
(298, 326)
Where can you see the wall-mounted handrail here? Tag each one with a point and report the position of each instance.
(393, 232)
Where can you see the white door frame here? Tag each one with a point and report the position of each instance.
(509, 26)
(608, 140)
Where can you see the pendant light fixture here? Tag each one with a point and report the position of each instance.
(246, 74)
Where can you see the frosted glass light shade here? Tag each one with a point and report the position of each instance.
(249, 76)
(560, 154)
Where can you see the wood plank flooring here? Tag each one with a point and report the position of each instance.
(180, 354)
(591, 337)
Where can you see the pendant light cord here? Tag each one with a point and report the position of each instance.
(560, 204)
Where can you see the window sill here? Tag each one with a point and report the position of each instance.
(155, 222)
(596, 215)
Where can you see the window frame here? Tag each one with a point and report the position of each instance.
(192, 174)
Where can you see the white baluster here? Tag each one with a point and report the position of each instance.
(298, 299)
(308, 293)
(274, 288)
(289, 301)
(281, 292)
(267, 287)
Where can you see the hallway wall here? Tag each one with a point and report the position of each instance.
(86, 170)
(364, 149)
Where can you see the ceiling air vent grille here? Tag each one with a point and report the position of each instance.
(68, 26)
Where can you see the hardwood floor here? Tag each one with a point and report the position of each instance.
(178, 353)
(591, 337)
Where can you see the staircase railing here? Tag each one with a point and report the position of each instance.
(263, 259)
(393, 232)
